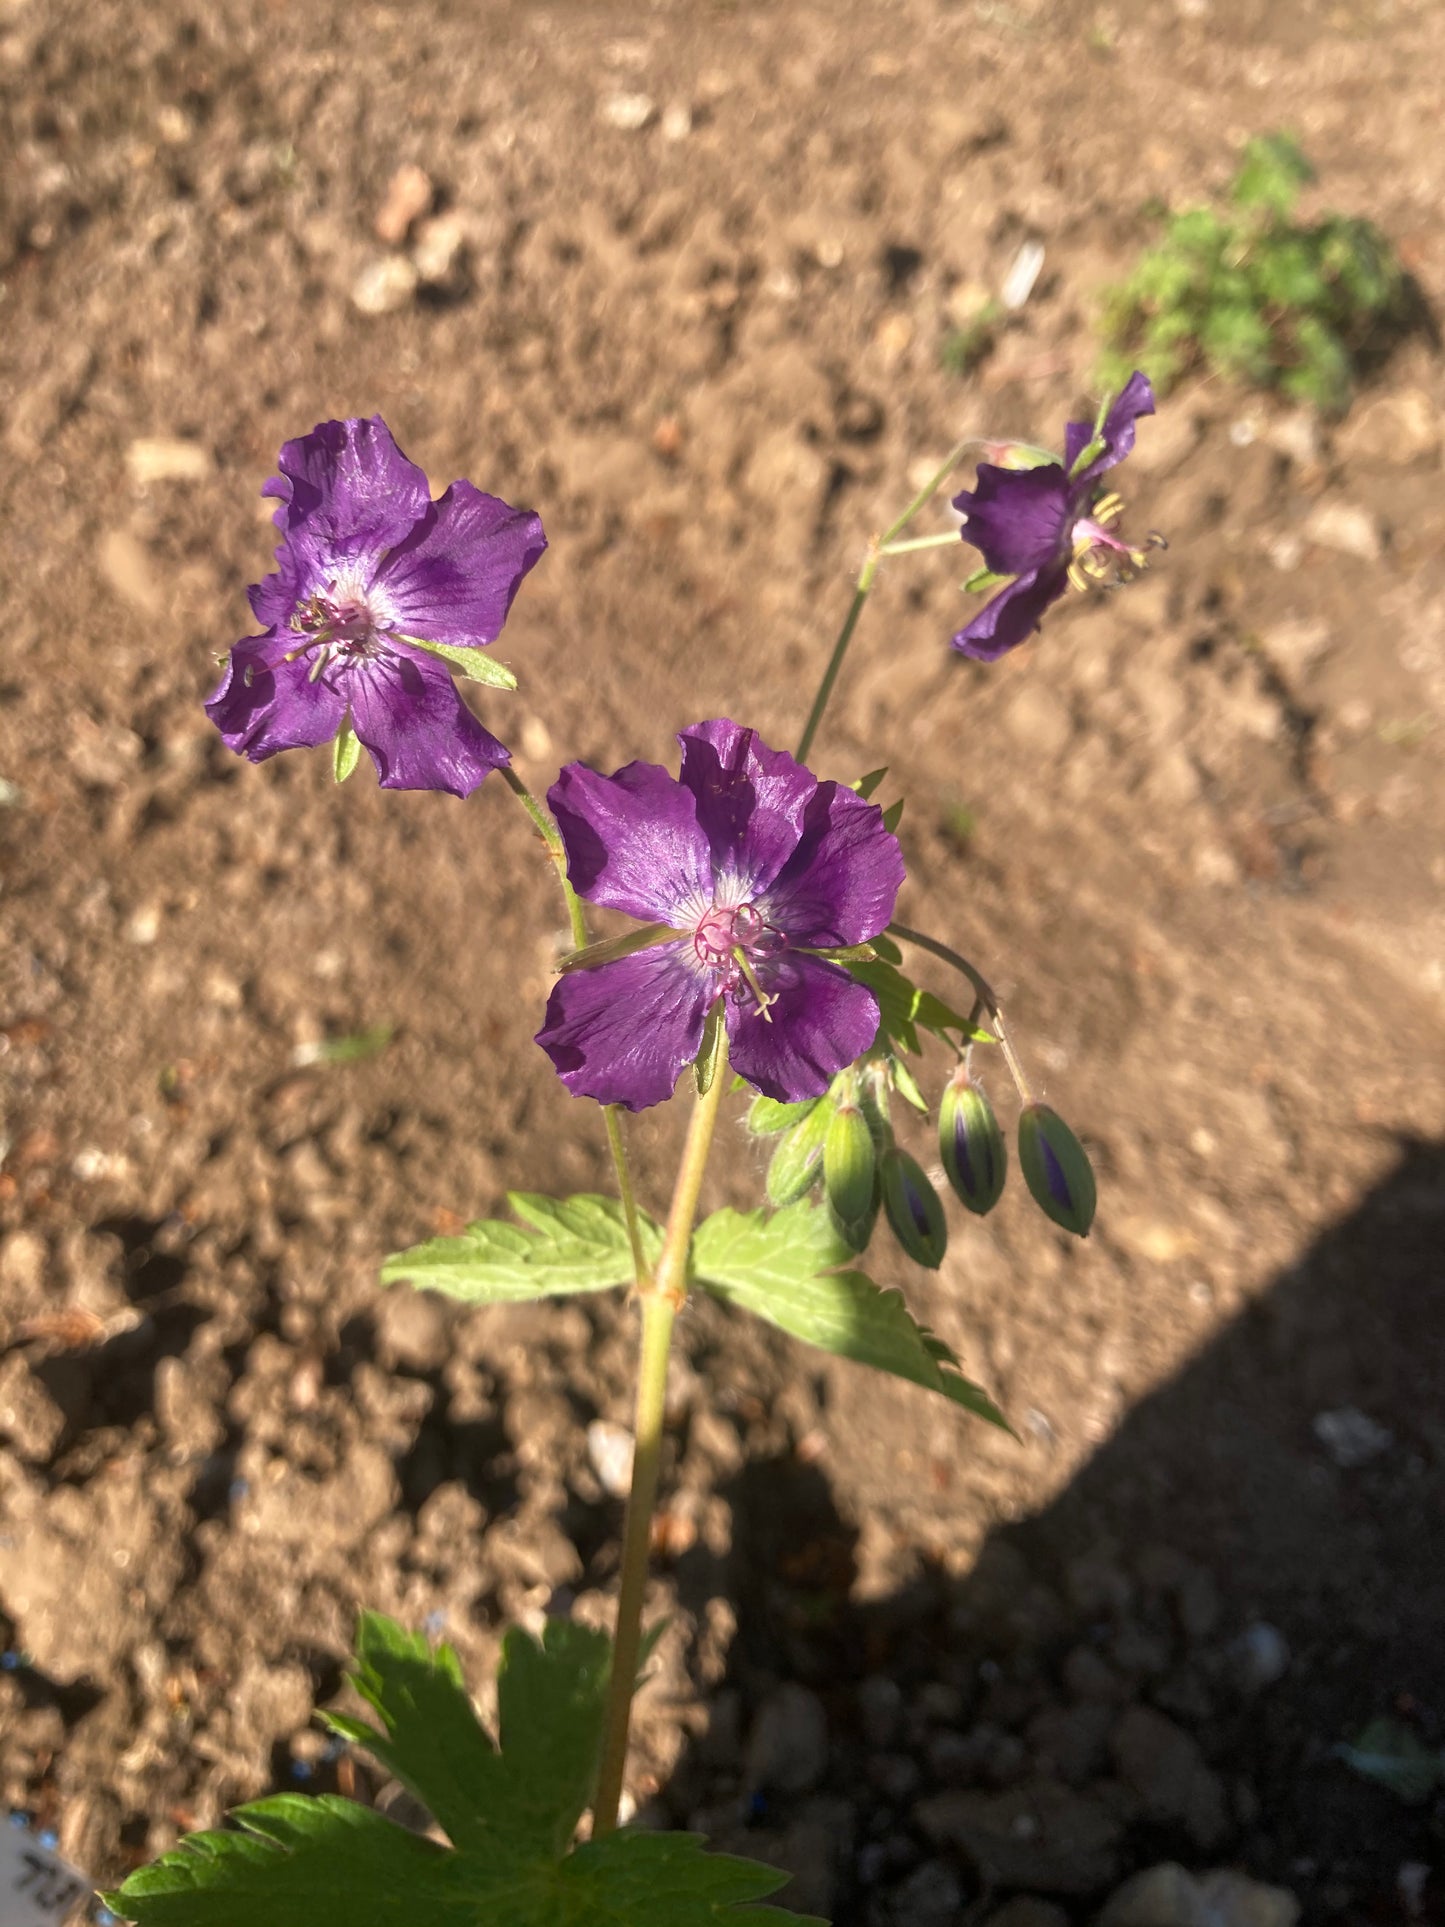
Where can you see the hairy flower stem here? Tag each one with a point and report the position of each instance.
(661, 1300)
(985, 996)
(880, 546)
(577, 918)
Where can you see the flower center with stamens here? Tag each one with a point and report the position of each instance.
(732, 940)
(336, 621)
(1098, 555)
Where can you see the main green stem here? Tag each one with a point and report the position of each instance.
(577, 918)
(660, 1302)
(883, 544)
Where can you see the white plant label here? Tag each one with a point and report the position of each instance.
(37, 1887)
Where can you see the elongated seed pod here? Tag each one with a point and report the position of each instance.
(1056, 1169)
(915, 1210)
(971, 1145)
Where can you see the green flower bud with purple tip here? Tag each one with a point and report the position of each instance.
(915, 1211)
(1056, 1169)
(971, 1145)
(849, 1165)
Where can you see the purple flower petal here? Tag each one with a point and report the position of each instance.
(409, 713)
(1134, 399)
(453, 577)
(349, 482)
(822, 1020)
(751, 800)
(621, 1033)
(347, 494)
(633, 842)
(1012, 616)
(1017, 517)
(841, 883)
(265, 704)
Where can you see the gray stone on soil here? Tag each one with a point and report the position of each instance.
(1163, 1765)
(788, 1747)
(1027, 1910)
(29, 1417)
(1168, 1896)
(1259, 1658)
(1042, 1836)
(931, 1896)
(413, 1332)
(880, 1709)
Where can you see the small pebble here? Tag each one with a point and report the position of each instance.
(629, 112)
(609, 1452)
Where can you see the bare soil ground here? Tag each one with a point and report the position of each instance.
(1195, 833)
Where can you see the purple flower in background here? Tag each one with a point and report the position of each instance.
(370, 570)
(751, 864)
(1048, 525)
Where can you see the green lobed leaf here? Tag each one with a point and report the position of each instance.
(779, 1269)
(510, 1814)
(902, 1006)
(570, 1244)
(473, 663)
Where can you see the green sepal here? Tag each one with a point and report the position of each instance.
(608, 949)
(782, 1269)
(714, 1039)
(983, 580)
(893, 815)
(906, 1085)
(1090, 452)
(768, 1115)
(475, 664)
(866, 785)
(570, 1244)
(346, 750)
(887, 949)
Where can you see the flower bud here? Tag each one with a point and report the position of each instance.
(914, 1209)
(798, 1161)
(848, 1164)
(856, 1232)
(971, 1145)
(1056, 1169)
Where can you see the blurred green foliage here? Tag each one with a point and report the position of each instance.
(1251, 293)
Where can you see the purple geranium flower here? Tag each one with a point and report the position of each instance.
(369, 572)
(751, 865)
(1048, 525)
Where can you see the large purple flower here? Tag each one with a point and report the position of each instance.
(1048, 525)
(752, 865)
(369, 572)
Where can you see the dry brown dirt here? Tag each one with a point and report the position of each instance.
(1194, 834)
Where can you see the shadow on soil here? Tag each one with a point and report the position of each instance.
(1028, 1725)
